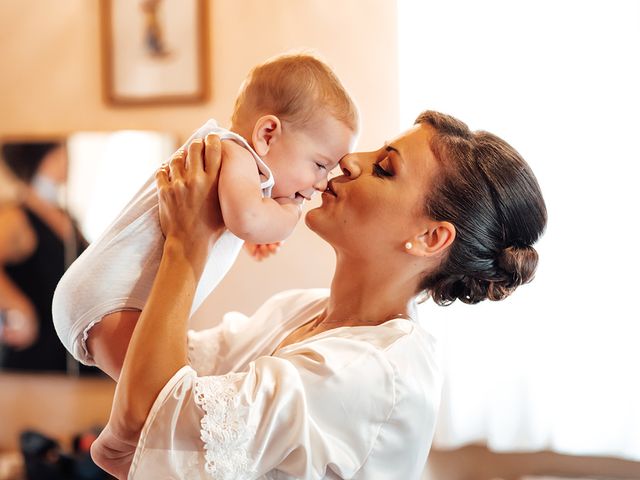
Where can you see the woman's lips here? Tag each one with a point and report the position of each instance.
(330, 190)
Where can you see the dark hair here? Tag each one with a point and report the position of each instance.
(489, 193)
(24, 158)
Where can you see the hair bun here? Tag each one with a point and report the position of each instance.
(519, 263)
(516, 266)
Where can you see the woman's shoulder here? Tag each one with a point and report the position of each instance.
(396, 344)
(393, 366)
(394, 337)
(17, 237)
(399, 356)
(392, 370)
(413, 356)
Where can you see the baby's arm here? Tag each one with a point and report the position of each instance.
(246, 213)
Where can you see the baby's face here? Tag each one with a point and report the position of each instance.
(301, 159)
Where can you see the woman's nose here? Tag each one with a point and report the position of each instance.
(350, 165)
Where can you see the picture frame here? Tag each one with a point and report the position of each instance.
(154, 52)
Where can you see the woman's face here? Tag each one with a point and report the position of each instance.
(378, 202)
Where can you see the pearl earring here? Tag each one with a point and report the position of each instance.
(408, 245)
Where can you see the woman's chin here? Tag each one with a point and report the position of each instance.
(323, 219)
(315, 218)
(309, 218)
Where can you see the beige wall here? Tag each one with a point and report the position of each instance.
(51, 84)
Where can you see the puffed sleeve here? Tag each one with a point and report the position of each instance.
(206, 347)
(313, 412)
(237, 338)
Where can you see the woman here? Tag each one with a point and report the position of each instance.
(29, 275)
(317, 385)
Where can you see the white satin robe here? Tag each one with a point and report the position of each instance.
(352, 402)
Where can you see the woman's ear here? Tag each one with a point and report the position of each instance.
(266, 130)
(435, 240)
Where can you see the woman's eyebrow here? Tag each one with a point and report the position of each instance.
(390, 148)
(400, 161)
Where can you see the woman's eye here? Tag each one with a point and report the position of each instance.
(321, 166)
(378, 171)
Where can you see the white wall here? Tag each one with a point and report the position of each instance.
(554, 365)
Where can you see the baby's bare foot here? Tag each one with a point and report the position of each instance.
(113, 454)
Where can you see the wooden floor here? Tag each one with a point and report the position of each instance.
(478, 463)
(60, 407)
(54, 404)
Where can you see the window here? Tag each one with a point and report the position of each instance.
(555, 366)
(107, 169)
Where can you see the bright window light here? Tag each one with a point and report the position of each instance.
(107, 169)
(555, 366)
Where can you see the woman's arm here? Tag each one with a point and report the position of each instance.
(246, 213)
(17, 241)
(21, 327)
(191, 220)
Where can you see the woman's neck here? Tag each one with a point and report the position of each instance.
(367, 293)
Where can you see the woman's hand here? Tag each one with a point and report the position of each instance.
(190, 214)
(18, 329)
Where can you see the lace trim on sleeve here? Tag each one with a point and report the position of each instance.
(224, 428)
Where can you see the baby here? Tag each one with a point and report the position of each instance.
(292, 122)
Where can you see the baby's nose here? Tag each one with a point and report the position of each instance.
(321, 185)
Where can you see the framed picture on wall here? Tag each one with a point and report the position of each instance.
(154, 51)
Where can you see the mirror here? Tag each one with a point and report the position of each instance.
(76, 186)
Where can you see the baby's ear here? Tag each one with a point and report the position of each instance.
(267, 130)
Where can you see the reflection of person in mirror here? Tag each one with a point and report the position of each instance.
(292, 123)
(36, 236)
(153, 36)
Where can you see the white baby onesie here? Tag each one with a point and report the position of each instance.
(117, 271)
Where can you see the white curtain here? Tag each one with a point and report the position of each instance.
(555, 366)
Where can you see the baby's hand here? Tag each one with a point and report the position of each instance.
(262, 251)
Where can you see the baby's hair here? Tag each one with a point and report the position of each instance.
(295, 87)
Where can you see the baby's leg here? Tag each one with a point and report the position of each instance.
(108, 340)
(114, 274)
